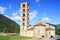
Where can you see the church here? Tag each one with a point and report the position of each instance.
(39, 29)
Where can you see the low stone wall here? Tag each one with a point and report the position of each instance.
(10, 34)
(13, 34)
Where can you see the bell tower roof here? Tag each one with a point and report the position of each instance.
(40, 21)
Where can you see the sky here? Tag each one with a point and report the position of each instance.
(46, 10)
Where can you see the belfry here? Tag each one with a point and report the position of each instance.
(24, 18)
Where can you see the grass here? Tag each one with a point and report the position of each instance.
(17, 38)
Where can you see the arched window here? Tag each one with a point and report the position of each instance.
(23, 28)
(23, 15)
(42, 36)
(23, 24)
(23, 5)
(23, 10)
(23, 19)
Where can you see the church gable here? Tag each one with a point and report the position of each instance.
(39, 23)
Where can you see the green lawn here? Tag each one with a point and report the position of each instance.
(17, 38)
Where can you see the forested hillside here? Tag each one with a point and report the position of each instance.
(8, 25)
(58, 29)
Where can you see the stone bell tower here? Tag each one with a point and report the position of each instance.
(24, 18)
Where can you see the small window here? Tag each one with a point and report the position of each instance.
(23, 10)
(49, 32)
(23, 24)
(28, 18)
(51, 36)
(23, 5)
(23, 19)
(23, 15)
(42, 36)
(23, 28)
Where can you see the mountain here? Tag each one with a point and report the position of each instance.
(8, 26)
(58, 29)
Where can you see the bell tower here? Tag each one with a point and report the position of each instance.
(24, 18)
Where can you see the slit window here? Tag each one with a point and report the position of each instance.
(23, 28)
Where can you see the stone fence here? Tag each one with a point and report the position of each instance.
(10, 34)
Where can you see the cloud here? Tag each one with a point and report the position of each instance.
(37, 1)
(2, 10)
(15, 16)
(46, 19)
(33, 14)
(55, 17)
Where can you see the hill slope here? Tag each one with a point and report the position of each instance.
(58, 29)
(7, 25)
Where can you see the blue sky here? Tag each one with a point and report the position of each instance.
(47, 10)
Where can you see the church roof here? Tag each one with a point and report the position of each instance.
(40, 23)
(30, 29)
(51, 24)
(50, 29)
